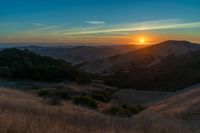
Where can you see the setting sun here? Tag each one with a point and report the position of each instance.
(142, 40)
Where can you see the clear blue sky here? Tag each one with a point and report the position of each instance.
(100, 21)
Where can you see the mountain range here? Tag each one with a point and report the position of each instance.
(80, 54)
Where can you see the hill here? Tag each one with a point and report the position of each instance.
(167, 66)
(148, 56)
(80, 54)
(24, 112)
(24, 64)
(182, 110)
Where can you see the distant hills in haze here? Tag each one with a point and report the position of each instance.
(79, 54)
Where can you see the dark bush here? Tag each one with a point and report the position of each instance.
(44, 93)
(86, 101)
(101, 97)
(62, 94)
(53, 100)
(124, 110)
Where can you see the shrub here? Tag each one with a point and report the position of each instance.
(44, 93)
(53, 100)
(85, 100)
(124, 110)
(100, 97)
(62, 94)
(103, 96)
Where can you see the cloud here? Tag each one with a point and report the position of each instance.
(51, 27)
(66, 30)
(19, 23)
(38, 24)
(43, 28)
(139, 26)
(95, 22)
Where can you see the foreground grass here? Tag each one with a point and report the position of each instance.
(24, 113)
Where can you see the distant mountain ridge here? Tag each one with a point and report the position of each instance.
(80, 54)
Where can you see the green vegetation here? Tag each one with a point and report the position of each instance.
(53, 100)
(124, 110)
(44, 93)
(86, 101)
(103, 96)
(26, 65)
(52, 93)
(53, 96)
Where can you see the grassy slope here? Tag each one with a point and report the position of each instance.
(183, 105)
(25, 113)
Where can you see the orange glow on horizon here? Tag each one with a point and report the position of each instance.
(143, 39)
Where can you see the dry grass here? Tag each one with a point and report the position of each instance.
(24, 113)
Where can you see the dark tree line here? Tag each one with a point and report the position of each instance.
(26, 65)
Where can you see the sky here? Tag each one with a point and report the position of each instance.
(99, 21)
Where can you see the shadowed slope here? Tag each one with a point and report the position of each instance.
(149, 56)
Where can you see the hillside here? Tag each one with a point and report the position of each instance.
(152, 68)
(24, 112)
(80, 54)
(147, 56)
(190, 103)
(24, 64)
(181, 109)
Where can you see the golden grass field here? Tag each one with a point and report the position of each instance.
(23, 112)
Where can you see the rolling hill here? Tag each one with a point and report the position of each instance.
(167, 66)
(146, 57)
(26, 65)
(180, 110)
(80, 54)
(24, 112)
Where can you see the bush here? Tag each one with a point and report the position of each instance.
(124, 110)
(44, 93)
(62, 94)
(85, 100)
(53, 100)
(103, 96)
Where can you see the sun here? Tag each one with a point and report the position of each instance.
(142, 40)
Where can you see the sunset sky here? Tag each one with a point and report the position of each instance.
(99, 21)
